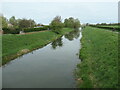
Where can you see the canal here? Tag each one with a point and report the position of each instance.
(52, 66)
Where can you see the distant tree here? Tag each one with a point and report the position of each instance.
(56, 24)
(18, 20)
(13, 21)
(39, 24)
(66, 22)
(97, 24)
(31, 23)
(24, 23)
(4, 21)
(103, 24)
(72, 23)
(76, 23)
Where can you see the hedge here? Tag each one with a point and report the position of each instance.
(110, 28)
(17, 30)
(11, 30)
(36, 29)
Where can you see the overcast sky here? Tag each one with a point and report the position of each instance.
(44, 12)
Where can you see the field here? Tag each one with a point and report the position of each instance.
(99, 55)
(108, 27)
(114, 26)
(17, 45)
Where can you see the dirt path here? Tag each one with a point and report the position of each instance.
(32, 32)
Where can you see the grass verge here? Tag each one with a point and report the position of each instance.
(99, 55)
(17, 45)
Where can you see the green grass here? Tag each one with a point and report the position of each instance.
(113, 26)
(99, 55)
(13, 44)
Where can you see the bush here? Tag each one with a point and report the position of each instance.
(17, 30)
(11, 30)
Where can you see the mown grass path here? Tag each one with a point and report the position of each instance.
(99, 54)
(32, 32)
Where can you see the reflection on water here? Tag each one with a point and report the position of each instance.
(57, 42)
(70, 36)
(75, 34)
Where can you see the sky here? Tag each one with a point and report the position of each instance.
(92, 11)
(60, 0)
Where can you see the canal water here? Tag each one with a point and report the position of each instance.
(52, 66)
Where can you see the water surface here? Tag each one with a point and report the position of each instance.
(49, 67)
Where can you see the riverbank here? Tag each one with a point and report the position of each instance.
(51, 66)
(99, 55)
(17, 45)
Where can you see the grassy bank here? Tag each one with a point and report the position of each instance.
(113, 26)
(17, 45)
(99, 54)
(108, 27)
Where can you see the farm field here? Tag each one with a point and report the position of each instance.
(112, 26)
(99, 53)
(17, 45)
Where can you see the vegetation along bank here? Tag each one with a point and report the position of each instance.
(99, 55)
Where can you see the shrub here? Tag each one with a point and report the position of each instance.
(11, 30)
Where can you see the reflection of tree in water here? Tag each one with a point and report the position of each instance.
(56, 43)
(72, 35)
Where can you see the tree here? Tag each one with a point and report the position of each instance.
(66, 22)
(56, 24)
(69, 22)
(76, 23)
(72, 23)
(4, 22)
(13, 21)
(24, 23)
(32, 23)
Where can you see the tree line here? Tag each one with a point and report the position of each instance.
(55, 25)
(17, 23)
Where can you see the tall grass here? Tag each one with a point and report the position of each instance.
(99, 56)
